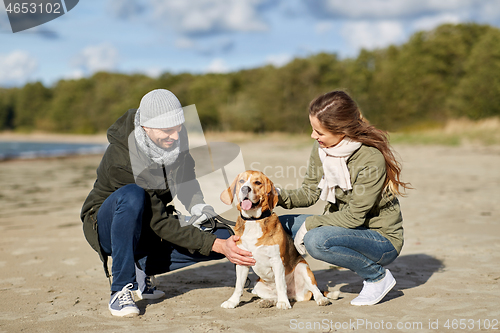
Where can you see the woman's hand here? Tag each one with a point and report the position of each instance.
(232, 252)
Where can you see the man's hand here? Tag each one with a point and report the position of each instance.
(232, 252)
(200, 214)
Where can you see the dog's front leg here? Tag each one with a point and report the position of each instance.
(280, 280)
(241, 278)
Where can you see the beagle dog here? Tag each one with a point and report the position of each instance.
(283, 272)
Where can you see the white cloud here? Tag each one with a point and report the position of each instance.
(278, 60)
(16, 67)
(389, 9)
(370, 35)
(217, 66)
(489, 10)
(153, 72)
(102, 57)
(209, 16)
(431, 22)
(126, 9)
(184, 43)
(75, 75)
(323, 27)
(466, 10)
(207, 46)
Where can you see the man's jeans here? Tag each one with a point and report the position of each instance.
(361, 250)
(124, 237)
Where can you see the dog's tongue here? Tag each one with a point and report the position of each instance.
(246, 204)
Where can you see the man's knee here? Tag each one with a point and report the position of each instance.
(133, 197)
(222, 233)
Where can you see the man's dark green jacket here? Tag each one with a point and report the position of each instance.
(115, 171)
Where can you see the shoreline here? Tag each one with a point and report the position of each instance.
(53, 137)
(50, 158)
(41, 146)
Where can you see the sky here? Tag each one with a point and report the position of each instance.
(202, 36)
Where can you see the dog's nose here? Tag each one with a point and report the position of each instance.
(246, 189)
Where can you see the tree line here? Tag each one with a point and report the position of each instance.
(450, 72)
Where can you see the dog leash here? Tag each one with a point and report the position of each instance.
(214, 221)
(217, 222)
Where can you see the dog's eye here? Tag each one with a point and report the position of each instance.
(258, 183)
(242, 181)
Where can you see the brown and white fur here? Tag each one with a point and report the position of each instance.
(283, 272)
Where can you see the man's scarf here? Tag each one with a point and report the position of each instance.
(152, 151)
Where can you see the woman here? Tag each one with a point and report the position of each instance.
(353, 168)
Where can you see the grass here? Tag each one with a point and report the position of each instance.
(454, 133)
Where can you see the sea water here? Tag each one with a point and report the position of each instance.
(26, 150)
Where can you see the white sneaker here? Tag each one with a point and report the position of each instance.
(121, 303)
(373, 292)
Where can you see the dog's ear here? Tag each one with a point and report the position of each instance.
(273, 197)
(227, 195)
(272, 194)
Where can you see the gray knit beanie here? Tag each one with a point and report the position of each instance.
(160, 109)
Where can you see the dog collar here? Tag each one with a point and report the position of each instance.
(264, 215)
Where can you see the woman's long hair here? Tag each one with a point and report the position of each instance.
(339, 114)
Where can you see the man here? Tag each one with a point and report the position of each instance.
(129, 215)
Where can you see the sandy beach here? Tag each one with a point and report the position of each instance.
(448, 277)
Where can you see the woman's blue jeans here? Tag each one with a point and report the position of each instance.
(125, 235)
(363, 251)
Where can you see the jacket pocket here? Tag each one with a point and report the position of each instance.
(90, 230)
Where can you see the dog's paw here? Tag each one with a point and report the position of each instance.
(283, 305)
(322, 301)
(333, 294)
(228, 305)
(267, 303)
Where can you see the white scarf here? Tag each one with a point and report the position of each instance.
(152, 151)
(335, 171)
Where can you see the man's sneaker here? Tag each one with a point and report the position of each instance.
(146, 289)
(121, 303)
(373, 292)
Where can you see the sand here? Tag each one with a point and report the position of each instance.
(447, 274)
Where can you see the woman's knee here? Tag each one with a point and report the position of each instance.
(314, 242)
(323, 239)
(388, 257)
